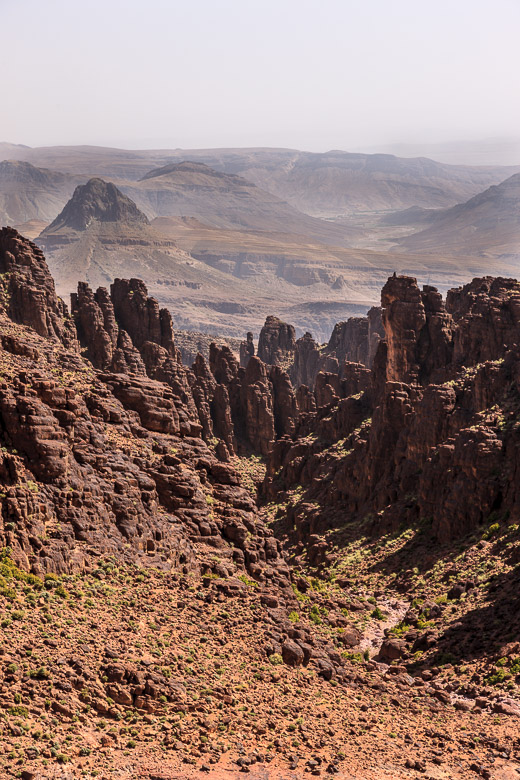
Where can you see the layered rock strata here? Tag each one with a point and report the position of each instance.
(101, 444)
(430, 434)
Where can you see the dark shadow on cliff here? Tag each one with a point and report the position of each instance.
(491, 613)
(420, 553)
(416, 556)
(484, 630)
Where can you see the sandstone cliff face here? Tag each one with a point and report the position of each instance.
(276, 343)
(353, 341)
(403, 319)
(376, 332)
(257, 403)
(127, 332)
(140, 315)
(106, 345)
(356, 340)
(28, 293)
(430, 434)
(247, 350)
(487, 314)
(427, 434)
(103, 451)
(251, 406)
(308, 360)
(428, 340)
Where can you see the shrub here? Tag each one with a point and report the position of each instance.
(42, 673)
(491, 531)
(400, 629)
(20, 711)
(245, 579)
(10, 571)
(498, 677)
(356, 658)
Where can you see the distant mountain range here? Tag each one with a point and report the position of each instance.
(28, 192)
(221, 280)
(487, 225)
(225, 200)
(227, 236)
(331, 184)
(101, 234)
(488, 151)
(338, 184)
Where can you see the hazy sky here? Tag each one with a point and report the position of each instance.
(310, 74)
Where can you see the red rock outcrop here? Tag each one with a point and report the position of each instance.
(107, 347)
(424, 435)
(404, 318)
(242, 401)
(146, 348)
(487, 316)
(28, 292)
(308, 361)
(247, 350)
(428, 340)
(353, 341)
(257, 403)
(285, 407)
(349, 341)
(98, 456)
(376, 333)
(140, 315)
(276, 343)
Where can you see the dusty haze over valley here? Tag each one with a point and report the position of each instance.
(260, 390)
(226, 237)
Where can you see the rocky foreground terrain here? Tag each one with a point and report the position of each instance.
(303, 563)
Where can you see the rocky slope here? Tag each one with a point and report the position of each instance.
(31, 193)
(62, 410)
(96, 201)
(487, 225)
(224, 200)
(441, 396)
(360, 620)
